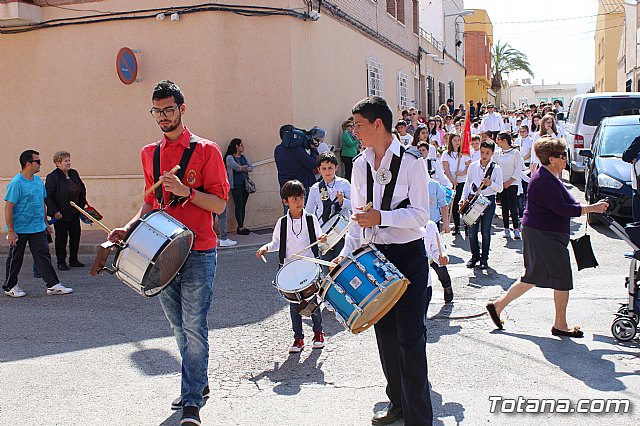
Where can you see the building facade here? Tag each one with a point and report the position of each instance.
(607, 44)
(478, 39)
(516, 95)
(288, 61)
(628, 77)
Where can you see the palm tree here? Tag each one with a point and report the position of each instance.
(505, 59)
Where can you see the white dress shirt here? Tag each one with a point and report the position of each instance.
(439, 175)
(431, 245)
(510, 162)
(297, 236)
(314, 202)
(492, 122)
(406, 139)
(526, 145)
(453, 164)
(476, 175)
(475, 155)
(403, 225)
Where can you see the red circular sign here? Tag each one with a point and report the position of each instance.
(126, 65)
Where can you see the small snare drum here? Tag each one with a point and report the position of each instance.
(362, 288)
(298, 280)
(473, 210)
(333, 228)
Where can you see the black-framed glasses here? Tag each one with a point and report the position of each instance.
(35, 161)
(167, 112)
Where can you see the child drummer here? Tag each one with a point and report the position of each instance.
(329, 196)
(483, 172)
(301, 230)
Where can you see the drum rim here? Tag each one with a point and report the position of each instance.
(293, 291)
(333, 225)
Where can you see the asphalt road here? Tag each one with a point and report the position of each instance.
(105, 355)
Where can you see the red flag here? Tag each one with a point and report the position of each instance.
(466, 139)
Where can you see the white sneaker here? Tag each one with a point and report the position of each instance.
(16, 292)
(228, 242)
(59, 289)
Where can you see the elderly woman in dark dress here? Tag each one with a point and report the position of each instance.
(545, 236)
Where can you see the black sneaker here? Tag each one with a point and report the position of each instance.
(484, 264)
(176, 404)
(472, 263)
(190, 416)
(448, 294)
(76, 264)
(63, 266)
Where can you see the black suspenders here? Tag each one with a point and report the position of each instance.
(282, 252)
(394, 168)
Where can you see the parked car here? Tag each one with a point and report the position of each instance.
(585, 113)
(606, 174)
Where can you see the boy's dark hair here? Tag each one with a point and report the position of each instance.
(327, 157)
(27, 156)
(401, 123)
(405, 112)
(506, 136)
(525, 127)
(488, 143)
(166, 89)
(423, 143)
(292, 188)
(372, 108)
(476, 137)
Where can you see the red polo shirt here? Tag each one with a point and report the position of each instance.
(205, 169)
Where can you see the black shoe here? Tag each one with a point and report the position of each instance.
(243, 231)
(63, 266)
(484, 264)
(76, 264)
(176, 404)
(190, 416)
(472, 263)
(37, 275)
(448, 294)
(385, 417)
(456, 231)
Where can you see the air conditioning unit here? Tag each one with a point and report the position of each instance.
(16, 14)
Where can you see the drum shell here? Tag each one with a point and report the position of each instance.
(333, 227)
(473, 211)
(143, 245)
(305, 291)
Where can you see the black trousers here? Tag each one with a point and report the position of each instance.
(348, 167)
(455, 209)
(240, 198)
(67, 230)
(443, 274)
(39, 247)
(509, 203)
(401, 336)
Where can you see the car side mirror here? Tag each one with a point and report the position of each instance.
(586, 153)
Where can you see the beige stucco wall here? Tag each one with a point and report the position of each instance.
(607, 44)
(242, 77)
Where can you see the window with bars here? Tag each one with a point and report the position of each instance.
(431, 107)
(441, 94)
(395, 8)
(374, 77)
(403, 90)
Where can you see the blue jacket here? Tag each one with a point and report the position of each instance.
(295, 163)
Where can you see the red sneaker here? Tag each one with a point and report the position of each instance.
(318, 340)
(297, 346)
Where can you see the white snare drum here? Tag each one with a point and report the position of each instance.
(153, 252)
(333, 228)
(299, 280)
(473, 211)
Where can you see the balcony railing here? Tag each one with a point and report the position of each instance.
(431, 39)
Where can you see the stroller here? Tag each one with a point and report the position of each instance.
(625, 324)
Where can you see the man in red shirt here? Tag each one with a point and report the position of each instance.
(203, 189)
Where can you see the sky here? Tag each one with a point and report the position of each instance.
(559, 51)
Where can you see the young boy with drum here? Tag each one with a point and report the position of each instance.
(328, 198)
(293, 234)
(484, 177)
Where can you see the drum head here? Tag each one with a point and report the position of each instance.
(297, 275)
(168, 263)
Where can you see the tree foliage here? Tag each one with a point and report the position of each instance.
(506, 59)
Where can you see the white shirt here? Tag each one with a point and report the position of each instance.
(492, 122)
(525, 144)
(452, 163)
(314, 202)
(439, 175)
(403, 225)
(510, 162)
(406, 139)
(431, 245)
(323, 147)
(297, 236)
(526, 122)
(475, 155)
(476, 175)
(435, 138)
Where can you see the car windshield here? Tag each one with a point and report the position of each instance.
(616, 139)
(599, 108)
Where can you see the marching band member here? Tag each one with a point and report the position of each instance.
(395, 180)
(483, 172)
(438, 259)
(510, 162)
(434, 167)
(292, 233)
(455, 165)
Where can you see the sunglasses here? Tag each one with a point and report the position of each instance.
(35, 161)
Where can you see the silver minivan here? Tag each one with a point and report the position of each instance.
(583, 117)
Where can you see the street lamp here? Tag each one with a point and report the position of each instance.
(461, 13)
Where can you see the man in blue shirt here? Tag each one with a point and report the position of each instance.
(25, 215)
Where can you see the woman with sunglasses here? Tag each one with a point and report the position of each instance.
(238, 168)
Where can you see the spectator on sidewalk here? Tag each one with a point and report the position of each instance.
(295, 163)
(25, 214)
(238, 168)
(349, 147)
(63, 187)
(224, 240)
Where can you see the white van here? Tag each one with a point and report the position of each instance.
(584, 115)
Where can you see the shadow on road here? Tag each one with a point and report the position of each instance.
(292, 374)
(490, 277)
(436, 328)
(576, 360)
(155, 362)
(444, 410)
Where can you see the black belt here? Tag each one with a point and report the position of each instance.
(211, 250)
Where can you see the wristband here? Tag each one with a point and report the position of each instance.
(190, 197)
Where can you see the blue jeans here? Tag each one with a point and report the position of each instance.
(484, 225)
(296, 320)
(186, 301)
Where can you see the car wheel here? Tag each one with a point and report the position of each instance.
(592, 218)
(575, 177)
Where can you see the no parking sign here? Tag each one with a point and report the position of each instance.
(126, 65)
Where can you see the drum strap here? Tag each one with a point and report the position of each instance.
(184, 162)
(387, 195)
(282, 252)
(430, 167)
(327, 205)
(488, 173)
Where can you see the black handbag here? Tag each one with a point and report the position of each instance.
(583, 251)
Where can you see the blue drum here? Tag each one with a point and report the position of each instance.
(449, 194)
(362, 288)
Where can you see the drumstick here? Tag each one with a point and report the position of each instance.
(264, 259)
(314, 260)
(307, 247)
(346, 229)
(438, 242)
(91, 218)
(159, 182)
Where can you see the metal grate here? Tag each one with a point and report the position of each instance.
(374, 78)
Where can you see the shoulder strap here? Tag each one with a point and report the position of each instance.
(326, 204)
(156, 172)
(430, 167)
(282, 252)
(184, 162)
(391, 186)
(312, 235)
